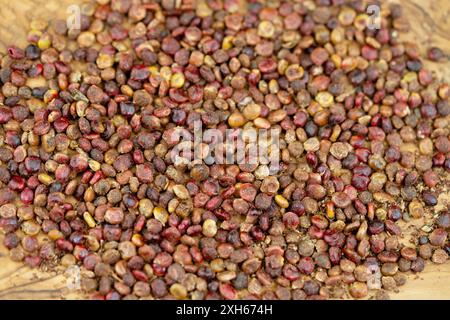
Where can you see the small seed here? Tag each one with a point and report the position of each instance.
(281, 201)
(236, 120)
(89, 220)
(45, 178)
(325, 99)
(209, 228)
(181, 191)
(178, 291)
(177, 80)
(266, 29)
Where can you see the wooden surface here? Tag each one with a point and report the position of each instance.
(430, 26)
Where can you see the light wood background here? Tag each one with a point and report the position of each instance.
(430, 26)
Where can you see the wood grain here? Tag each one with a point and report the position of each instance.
(14, 27)
(430, 27)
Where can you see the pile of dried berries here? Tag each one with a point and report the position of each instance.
(86, 117)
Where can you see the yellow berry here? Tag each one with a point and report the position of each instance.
(44, 42)
(45, 178)
(236, 120)
(89, 220)
(177, 80)
(209, 228)
(325, 99)
(281, 201)
(266, 29)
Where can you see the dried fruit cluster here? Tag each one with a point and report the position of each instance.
(86, 120)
